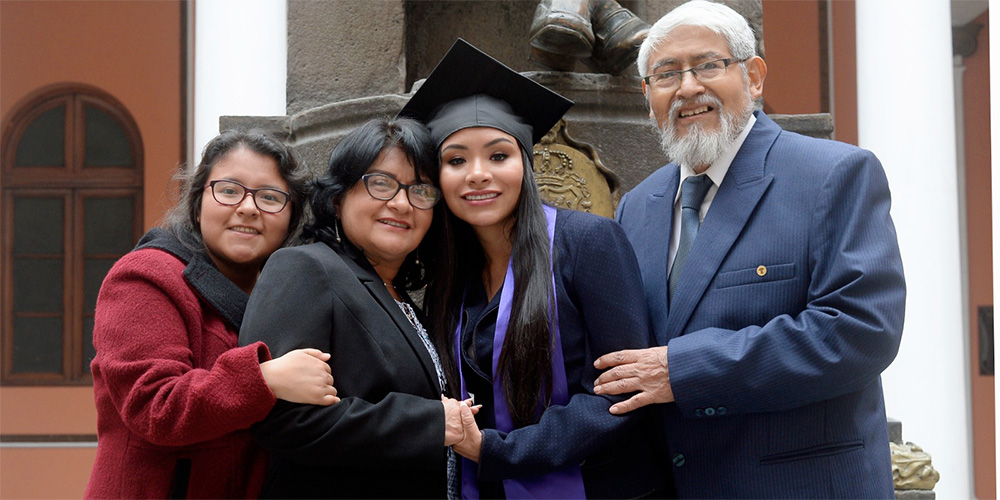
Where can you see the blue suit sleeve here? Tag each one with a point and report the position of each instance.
(847, 333)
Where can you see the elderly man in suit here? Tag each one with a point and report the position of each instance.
(773, 279)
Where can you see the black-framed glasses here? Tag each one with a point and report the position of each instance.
(231, 193)
(384, 187)
(704, 72)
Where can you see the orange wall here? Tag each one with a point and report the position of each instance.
(792, 50)
(792, 41)
(23, 477)
(132, 50)
(976, 95)
(843, 50)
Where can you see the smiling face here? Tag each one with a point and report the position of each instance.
(481, 175)
(240, 238)
(698, 119)
(385, 230)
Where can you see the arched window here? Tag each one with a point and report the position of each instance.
(71, 180)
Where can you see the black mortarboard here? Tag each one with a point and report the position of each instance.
(468, 88)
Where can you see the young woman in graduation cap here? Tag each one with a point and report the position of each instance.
(527, 298)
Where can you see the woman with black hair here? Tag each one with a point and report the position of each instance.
(175, 395)
(527, 297)
(346, 294)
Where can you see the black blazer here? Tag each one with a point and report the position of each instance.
(385, 438)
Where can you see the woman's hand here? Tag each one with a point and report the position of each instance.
(454, 431)
(301, 376)
(454, 426)
(470, 446)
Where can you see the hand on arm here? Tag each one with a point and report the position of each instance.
(636, 370)
(455, 427)
(470, 446)
(301, 376)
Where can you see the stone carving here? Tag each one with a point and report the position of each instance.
(570, 175)
(601, 33)
(911, 467)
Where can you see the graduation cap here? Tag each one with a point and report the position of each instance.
(468, 88)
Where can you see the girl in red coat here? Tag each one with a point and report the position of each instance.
(175, 395)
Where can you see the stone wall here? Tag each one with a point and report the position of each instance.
(346, 49)
(351, 60)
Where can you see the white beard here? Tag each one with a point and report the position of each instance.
(700, 148)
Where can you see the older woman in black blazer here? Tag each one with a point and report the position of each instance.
(344, 294)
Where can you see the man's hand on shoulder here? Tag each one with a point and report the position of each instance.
(643, 371)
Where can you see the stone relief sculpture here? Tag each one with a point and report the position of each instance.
(601, 33)
(570, 175)
(911, 468)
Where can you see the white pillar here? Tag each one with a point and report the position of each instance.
(906, 116)
(240, 51)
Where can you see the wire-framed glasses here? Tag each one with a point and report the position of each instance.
(704, 72)
(384, 187)
(231, 193)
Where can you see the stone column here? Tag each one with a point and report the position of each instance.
(344, 50)
(239, 63)
(906, 117)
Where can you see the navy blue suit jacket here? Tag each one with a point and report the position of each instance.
(789, 307)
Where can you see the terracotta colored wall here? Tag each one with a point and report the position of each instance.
(792, 50)
(44, 473)
(792, 41)
(976, 93)
(843, 50)
(131, 50)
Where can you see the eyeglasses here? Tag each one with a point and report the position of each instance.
(703, 72)
(384, 187)
(231, 193)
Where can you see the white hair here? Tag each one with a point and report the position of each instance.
(722, 20)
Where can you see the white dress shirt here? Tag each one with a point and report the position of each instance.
(716, 171)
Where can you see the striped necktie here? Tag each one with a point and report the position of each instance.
(692, 194)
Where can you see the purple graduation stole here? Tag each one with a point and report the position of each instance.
(566, 482)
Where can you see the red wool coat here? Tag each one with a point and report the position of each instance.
(175, 395)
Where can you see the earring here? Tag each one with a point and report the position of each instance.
(336, 219)
(416, 257)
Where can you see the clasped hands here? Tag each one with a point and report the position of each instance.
(643, 371)
(460, 429)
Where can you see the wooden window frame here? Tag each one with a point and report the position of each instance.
(75, 184)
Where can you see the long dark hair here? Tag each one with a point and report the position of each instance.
(350, 159)
(182, 219)
(525, 364)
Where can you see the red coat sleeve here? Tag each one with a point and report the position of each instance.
(170, 367)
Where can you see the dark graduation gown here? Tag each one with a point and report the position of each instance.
(601, 309)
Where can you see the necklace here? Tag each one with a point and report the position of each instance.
(410, 314)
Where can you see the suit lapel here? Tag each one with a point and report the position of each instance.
(656, 245)
(373, 283)
(736, 200)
